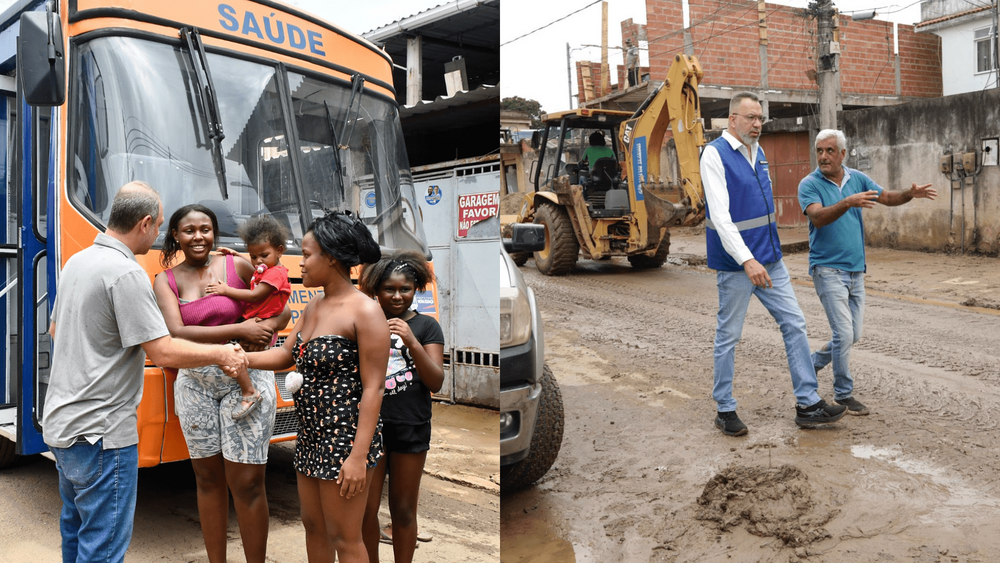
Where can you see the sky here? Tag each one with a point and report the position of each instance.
(362, 16)
(535, 66)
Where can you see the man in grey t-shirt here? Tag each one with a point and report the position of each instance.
(108, 322)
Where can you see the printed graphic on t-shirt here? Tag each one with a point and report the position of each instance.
(399, 373)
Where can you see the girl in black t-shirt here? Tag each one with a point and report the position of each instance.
(416, 369)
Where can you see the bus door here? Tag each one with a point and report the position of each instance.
(9, 296)
(32, 150)
(23, 269)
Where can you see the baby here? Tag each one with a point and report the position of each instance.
(269, 288)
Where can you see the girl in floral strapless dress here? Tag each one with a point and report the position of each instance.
(327, 406)
(341, 347)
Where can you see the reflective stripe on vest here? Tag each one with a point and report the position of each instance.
(748, 224)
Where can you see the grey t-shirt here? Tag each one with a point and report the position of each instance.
(104, 310)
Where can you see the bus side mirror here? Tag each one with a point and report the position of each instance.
(536, 139)
(41, 65)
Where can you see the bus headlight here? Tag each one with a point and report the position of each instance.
(515, 317)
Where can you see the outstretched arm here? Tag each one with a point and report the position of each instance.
(903, 196)
(823, 216)
(179, 353)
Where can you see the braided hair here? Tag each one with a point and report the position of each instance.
(344, 237)
(411, 264)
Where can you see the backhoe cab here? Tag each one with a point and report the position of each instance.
(618, 206)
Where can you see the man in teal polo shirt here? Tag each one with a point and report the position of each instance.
(832, 196)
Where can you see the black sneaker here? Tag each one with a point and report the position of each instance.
(730, 424)
(818, 414)
(854, 406)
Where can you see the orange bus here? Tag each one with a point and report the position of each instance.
(246, 106)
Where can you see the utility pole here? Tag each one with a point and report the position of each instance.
(569, 77)
(996, 41)
(762, 30)
(828, 62)
(605, 70)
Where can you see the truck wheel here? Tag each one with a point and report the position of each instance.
(561, 247)
(545, 441)
(642, 261)
(7, 455)
(520, 258)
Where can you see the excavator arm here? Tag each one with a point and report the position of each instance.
(675, 104)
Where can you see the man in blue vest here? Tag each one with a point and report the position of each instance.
(832, 196)
(743, 248)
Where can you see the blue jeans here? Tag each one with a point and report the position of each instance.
(735, 290)
(843, 297)
(98, 490)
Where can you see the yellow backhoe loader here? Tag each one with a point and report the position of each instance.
(618, 206)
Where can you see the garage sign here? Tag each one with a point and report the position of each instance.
(473, 208)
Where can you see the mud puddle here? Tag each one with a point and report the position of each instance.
(530, 532)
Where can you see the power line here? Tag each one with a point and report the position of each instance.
(551, 23)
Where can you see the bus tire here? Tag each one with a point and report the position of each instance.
(643, 262)
(561, 247)
(545, 440)
(7, 452)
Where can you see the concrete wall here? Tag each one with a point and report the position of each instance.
(899, 145)
(725, 37)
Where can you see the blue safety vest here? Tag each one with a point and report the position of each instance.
(751, 206)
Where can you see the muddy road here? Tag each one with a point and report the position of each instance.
(643, 475)
(459, 503)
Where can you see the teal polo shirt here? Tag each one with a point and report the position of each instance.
(840, 244)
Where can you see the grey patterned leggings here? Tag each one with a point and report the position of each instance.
(204, 398)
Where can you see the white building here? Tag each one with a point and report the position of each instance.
(968, 42)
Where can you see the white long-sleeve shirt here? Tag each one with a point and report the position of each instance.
(713, 178)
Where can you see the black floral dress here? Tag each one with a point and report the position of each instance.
(327, 406)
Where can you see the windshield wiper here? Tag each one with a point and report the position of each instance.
(209, 103)
(340, 172)
(357, 91)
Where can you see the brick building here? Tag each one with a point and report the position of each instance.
(771, 49)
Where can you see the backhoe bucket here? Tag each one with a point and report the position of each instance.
(660, 211)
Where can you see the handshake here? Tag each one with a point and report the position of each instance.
(234, 360)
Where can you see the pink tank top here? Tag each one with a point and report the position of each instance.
(211, 310)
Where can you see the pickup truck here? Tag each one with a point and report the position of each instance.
(531, 410)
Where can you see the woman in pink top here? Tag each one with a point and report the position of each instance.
(226, 454)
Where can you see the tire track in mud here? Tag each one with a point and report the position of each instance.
(917, 356)
(901, 341)
(929, 373)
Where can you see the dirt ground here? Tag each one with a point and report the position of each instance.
(643, 475)
(459, 503)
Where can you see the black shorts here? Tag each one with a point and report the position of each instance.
(406, 438)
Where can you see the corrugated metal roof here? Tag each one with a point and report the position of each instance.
(483, 93)
(464, 28)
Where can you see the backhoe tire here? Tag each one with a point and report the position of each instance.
(561, 246)
(642, 261)
(7, 455)
(545, 441)
(520, 258)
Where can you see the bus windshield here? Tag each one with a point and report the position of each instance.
(139, 115)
